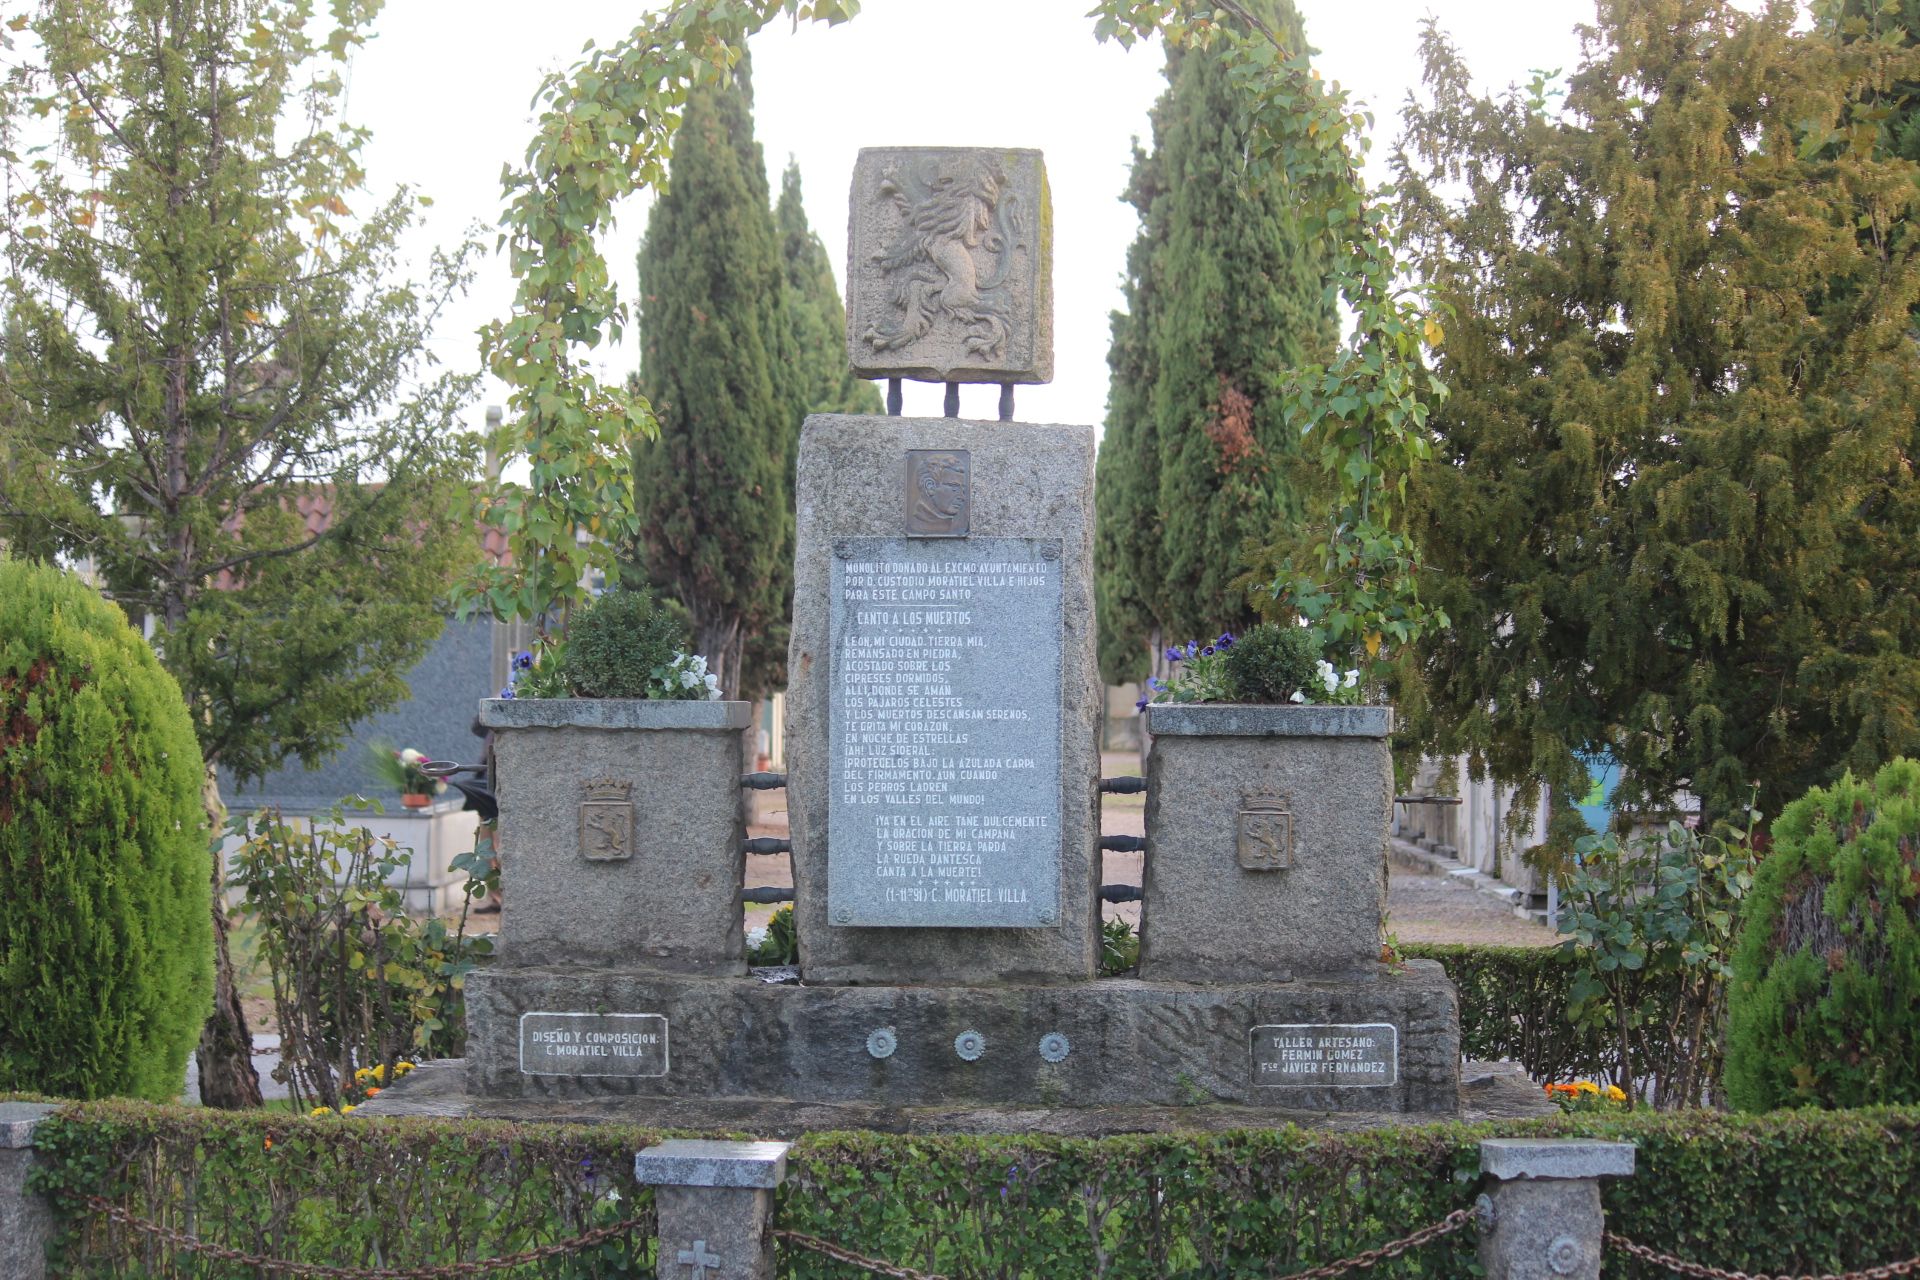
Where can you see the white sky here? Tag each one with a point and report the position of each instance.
(446, 88)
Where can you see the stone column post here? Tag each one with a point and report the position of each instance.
(26, 1220)
(1540, 1218)
(715, 1206)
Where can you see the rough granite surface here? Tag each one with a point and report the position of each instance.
(1129, 1043)
(1027, 482)
(1232, 719)
(26, 1221)
(1488, 1092)
(702, 1162)
(1205, 917)
(1550, 1229)
(714, 1233)
(674, 904)
(950, 265)
(1513, 1158)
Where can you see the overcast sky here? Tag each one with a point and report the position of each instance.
(446, 89)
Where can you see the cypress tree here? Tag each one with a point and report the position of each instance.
(1224, 297)
(714, 494)
(1674, 515)
(816, 314)
(822, 382)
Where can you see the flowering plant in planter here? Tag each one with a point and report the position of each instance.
(626, 645)
(400, 769)
(1271, 663)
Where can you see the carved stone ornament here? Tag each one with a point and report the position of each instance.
(606, 820)
(950, 271)
(1265, 831)
(939, 494)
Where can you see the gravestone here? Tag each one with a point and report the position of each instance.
(943, 707)
(943, 794)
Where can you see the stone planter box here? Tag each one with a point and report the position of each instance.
(1266, 842)
(621, 832)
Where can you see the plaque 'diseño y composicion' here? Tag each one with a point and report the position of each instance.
(944, 733)
(593, 1044)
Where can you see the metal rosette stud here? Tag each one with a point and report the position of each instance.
(969, 1045)
(881, 1042)
(1054, 1047)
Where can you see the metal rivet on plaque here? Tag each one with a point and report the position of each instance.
(969, 1045)
(881, 1042)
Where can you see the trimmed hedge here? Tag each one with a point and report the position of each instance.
(337, 1190)
(1791, 1191)
(1513, 1005)
(106, 883)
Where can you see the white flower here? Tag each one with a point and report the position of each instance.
(688, 679)
(1353, 678)
(699, 664)
(713, 695)
(713, 681)
(756, 938)
(1330, 678)
(1298, 696)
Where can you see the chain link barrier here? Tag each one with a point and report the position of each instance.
(1358, 1262)
(1681, 1267)
(326, 1271)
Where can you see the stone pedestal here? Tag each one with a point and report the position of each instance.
(1114, 1043)
(714, 1203)
(26, 1220)
(926, 548)
(1541, 1215)
(621, 832)
(1266, 842)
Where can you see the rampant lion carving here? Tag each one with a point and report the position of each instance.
(951, 220)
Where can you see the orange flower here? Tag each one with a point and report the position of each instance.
(373, 1093)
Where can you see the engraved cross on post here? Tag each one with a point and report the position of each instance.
(698, 1261)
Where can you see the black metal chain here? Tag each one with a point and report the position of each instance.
(1680, 1266)
(325, 1271)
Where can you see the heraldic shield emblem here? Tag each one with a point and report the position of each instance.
(606, 821)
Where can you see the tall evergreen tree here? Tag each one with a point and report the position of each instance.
(1224, 297)
(714, 493)
(204, 347)
(816, 314)
(823, 382)
(1675, 515)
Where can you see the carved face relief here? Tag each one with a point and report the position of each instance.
(939, 496)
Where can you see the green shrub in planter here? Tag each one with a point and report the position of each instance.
(1270, 663)
(618, 646)
(1827, 975)
(106, 948)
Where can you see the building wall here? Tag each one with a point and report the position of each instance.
(447, 687)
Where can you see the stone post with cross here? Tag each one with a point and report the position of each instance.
(714, 1202)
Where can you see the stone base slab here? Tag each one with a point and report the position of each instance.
(1109, 1043)
(1488, 1091)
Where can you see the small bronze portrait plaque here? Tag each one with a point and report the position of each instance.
(1266, 832)
(606, 821)
(939, 493)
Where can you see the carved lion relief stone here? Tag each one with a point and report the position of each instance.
(951, 260)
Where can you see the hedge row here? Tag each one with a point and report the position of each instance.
(1513, 1005)
(1789, 1191)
